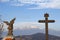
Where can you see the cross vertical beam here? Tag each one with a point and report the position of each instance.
(46, 27)
(46, 21)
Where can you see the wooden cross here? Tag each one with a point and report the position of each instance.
(46, 21)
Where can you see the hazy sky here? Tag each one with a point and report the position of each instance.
(28, 12)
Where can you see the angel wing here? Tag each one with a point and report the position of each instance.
(6, 22)
(12, 21)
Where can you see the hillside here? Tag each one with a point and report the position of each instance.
(38, 36)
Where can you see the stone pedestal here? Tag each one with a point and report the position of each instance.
(8, 38)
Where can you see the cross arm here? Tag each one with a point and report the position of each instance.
(41, 21)
(51, 21)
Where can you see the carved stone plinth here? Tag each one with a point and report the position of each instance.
(8, 38)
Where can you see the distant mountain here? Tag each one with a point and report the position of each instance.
(37, 36)
(0, 38)
(33, 31)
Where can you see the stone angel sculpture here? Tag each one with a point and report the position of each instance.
(10, 26)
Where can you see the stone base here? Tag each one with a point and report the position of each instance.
(8, 38)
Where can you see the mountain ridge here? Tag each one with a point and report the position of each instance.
(37, 36)
(33, 31)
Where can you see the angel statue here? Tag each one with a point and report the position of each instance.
(10, 27)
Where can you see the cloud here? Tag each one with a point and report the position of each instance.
(17, 4)
(25, 25)
(4, 0)
(40, 4)
(28, 25)
(47, 5)
(5, 27)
